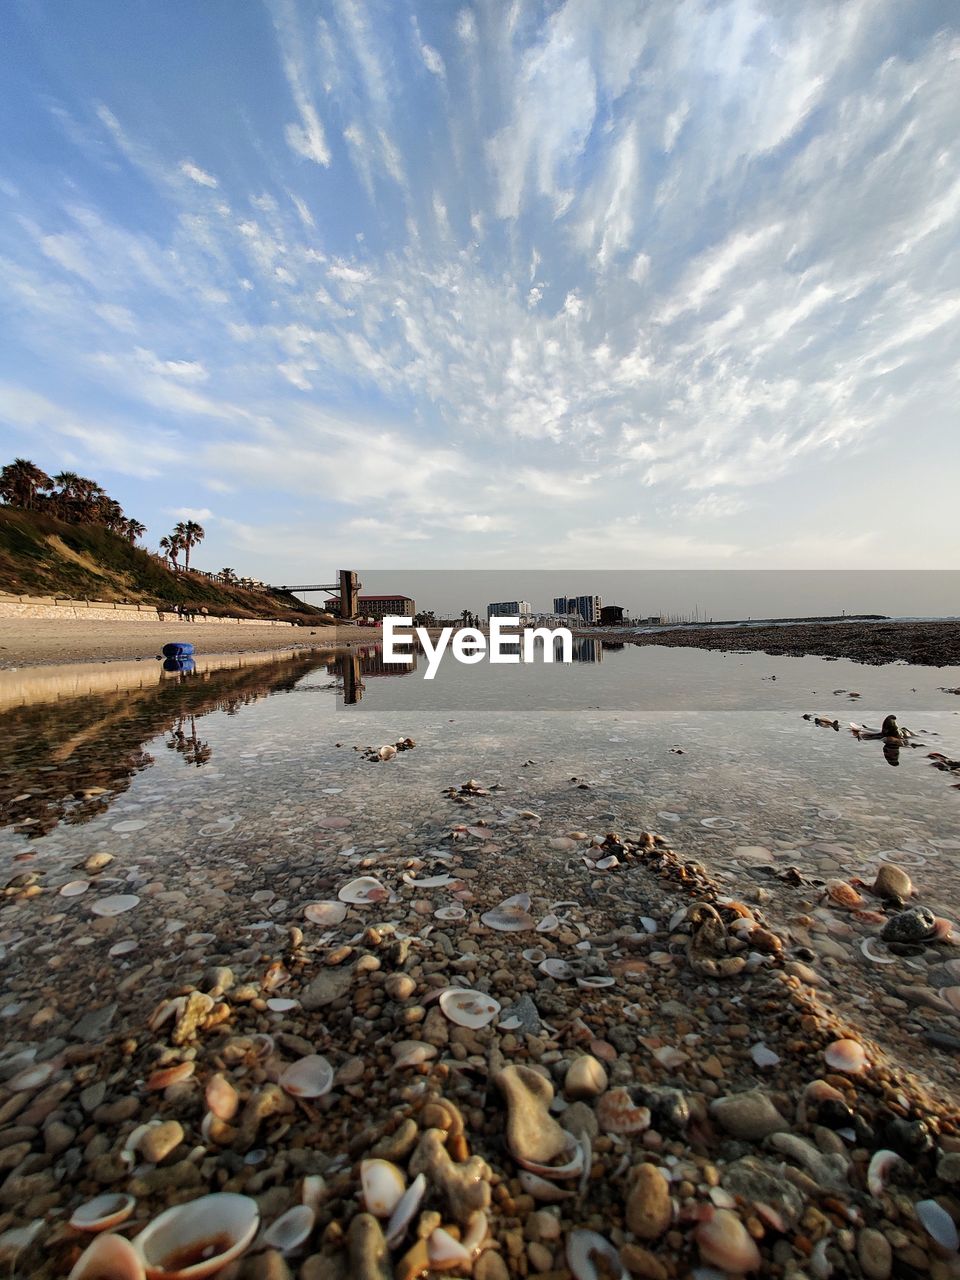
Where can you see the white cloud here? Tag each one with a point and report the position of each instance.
(197, 175)
(191, 513)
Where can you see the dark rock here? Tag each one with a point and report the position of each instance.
(95, 1024)
(915, 925)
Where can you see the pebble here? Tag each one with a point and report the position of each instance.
(159, 1140)
(585, 1078)
(750, 1115)
(649, 1207)
(874, 1254)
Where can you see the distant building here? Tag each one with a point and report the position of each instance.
(611, 615)
(586, 608)
(378, 606)
(510, 609)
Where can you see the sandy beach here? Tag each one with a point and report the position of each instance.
(39, 641)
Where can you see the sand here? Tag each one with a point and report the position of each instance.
(39, 641)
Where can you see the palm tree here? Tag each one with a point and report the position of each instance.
(228, 576)
(134, 530)
(21, 483)
(189, 534)
(171, 548)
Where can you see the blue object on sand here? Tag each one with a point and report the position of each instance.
(177, 649)
(179, 664)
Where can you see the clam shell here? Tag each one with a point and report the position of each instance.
(450, 913)
(198, 1238)
(291, 1230)
(881, 1164)
(123, 948)
(583, 1247)
(605, 864)
(843, 894)
(724, 1241)
(325, 913)
(869, 948)
(938, 1224)
(593, 982)
(387, 752)
(103, 1212)
(534, 955)
(363, 890)
(109, 1257)
(410, 1053)
(74, 888)
(617, 1113)
(444, 1252)
(847, 1056)
(508, 919)
(548, 923)
(572, 1168)
(166, 1076)
(542, 1188)
(431, 882)
(468, 1008)
(554, 968)
(383, 1186)
(405, 1210)
(310, 1077)
(115, 905)
(280, 1004)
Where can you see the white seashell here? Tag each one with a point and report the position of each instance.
(109, 1257)
(554, 968)
(847, 1056)
(763, 1056)
(595, 982)
(869, 948)
(431, 882)
(115, 905)
(605, 864)
(387, 752)
(881, 1164)
(669, 1056)
(405, 1210)
(212, 1231)
(468, 1008)
(509, 1024)
(325, 913)
(548, 923)
(534, 954)
(542, 1189)
(508, 919)
(444, 1252)
(410, 1053)
(938, 1224)
(383, 1185)
(74, 888)
(311, 1077)
(572, 1169)
(123, 948)
(450, 913)
(649, 924)
(363, 890)
(291, 1230)
(677, 919)
(520, 901)
(724, 1241)
(276, 1004)
(477, 1228)
(583, 1247)
(103, 1212)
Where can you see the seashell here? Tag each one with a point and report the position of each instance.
(325, 913)
(594, 982)
(508, 919)
(534, 955)
(554, 968)
(123, 948)
(542, 1189)
(938, 1224)
(468, 1008)
(677, 919)
(74, 888)
(572, 1167)
(477, 1228)
(310, 1077)
(649, 924)
(585, 1249)
(843, 894)
(605, 864)
(668, 1056)
(444, 1252)
(166, 1076)
(763, 1056)
(869, 948)
(450, 913)
(847, 1056)
(30, 1077)
(363, 890)
(724, 1242)
(951, 995)
(313, 1192)
(109, 1257)
(198, 1238)
(406, 1210)
(510, 1024)
(291, 1230)
(383, 1185)
(410, 1053)
(103, 1212)
(548, 923)
(882, 1163)
(617, 1113)
(431, 882)
(115, 905)
(278, 1004)
(520, 901)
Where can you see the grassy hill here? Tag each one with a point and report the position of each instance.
(43, 556)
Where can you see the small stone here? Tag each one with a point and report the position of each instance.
(400, 986)
(948, 1167)
(749, 1115)
(541, 1259)
(532, 1133)
(874, 1254)
(490, 1266)
(93, 1095)
(57, 1137)
(95, 1024)
(641, 1262)
(157, 1143)
(585, 1078)
(649, 1207)
(327, 986)
(915, 925)
(369, 1259)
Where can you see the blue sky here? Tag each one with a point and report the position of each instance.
(665, 284)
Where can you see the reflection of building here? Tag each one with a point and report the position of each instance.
(510, 609)
(362, 664)
(586, 649)
(379, 606)
(611, 615)
(586, 608)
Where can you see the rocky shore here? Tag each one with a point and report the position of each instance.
(927, 644)
(498, 1050)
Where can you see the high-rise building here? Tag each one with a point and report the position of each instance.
(510, 609)
(587, 608)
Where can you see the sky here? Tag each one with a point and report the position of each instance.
(656, 285)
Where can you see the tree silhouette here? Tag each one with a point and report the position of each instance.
(22, 484)
(188, 534)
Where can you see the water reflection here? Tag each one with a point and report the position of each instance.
(68, 762)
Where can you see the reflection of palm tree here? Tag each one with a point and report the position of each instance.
(188, 744)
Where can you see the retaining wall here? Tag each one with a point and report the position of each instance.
(106, 611)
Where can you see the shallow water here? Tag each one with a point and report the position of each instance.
(257, 754)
